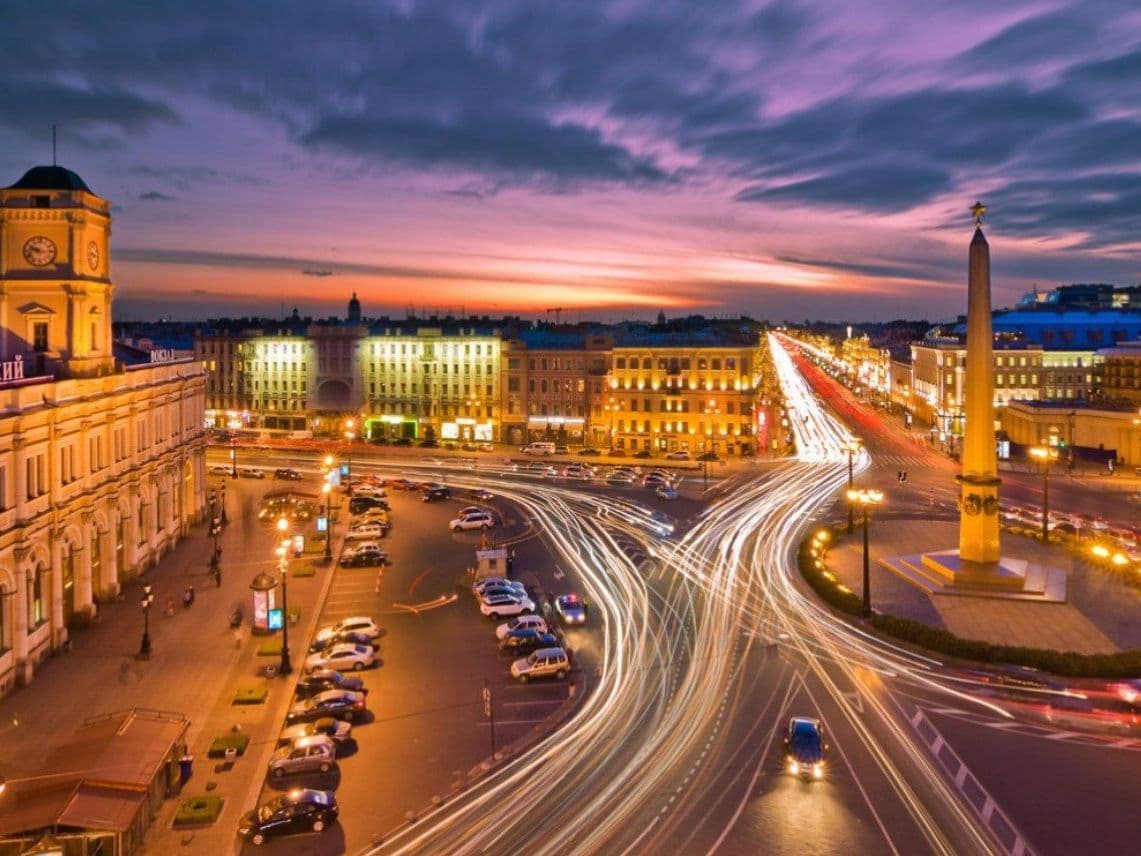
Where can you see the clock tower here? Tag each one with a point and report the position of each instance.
(55, 279)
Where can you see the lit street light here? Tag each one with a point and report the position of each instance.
(327, 489)
(866, 498)
(234, 458)
(222, 501)
(349, 436)
(1045, 455)
(145, 602)
(283, 567)
(851, 447)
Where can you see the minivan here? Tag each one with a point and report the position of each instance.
(539, 449)
(541, 664)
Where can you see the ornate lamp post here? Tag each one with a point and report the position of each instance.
(283, 567)
(327, 489)
(1045, 455)
(215, 528)
(851, 447)
(349, 436)
(222, 500)
(611, 407)
(866, 498)
(234, 458)
(145, 602)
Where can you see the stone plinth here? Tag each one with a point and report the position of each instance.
(946, 572)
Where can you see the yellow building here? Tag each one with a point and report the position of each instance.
(665, 397)
(102, 459)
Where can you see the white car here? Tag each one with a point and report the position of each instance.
(522, 622)
(480, 520)
(679, 455)
(342, 657)
(365, 532)
(370, 490)
(502, 606)
(486, 447)
(221, 470)
(357, 624)
(471, 509)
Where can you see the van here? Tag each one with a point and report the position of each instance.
(539, 449)
(541, 664)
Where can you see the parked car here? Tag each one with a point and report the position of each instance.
(644, 453)
(361, 504)
(562, 450)
(300, 810)
(679, 455)
(287, 474)
(571, 608)
(481, 586)
(708, 456)
(251, 472)
(804, 747)
(326, 679)
(513, 589)
(589, 452)
(546, 662)
(346, 638)
(666, 492)
(341, 704)
(620, 478)
(337, 729)
(435, 494)
(486, 447)
(402, 441)
(521, 622)
(519, 642)
(478, 520)
(370, 490)
(221, 470)
(307, 755)
(403, 484)
(362, 624)
(345, 656)
(373, 558)
(429, 444)
(365, 531)
(502, 606)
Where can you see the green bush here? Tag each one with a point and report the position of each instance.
(302, 571)
(250, 695)
(228, 741)
(270, 648)
(1124, 664)
(198, 810)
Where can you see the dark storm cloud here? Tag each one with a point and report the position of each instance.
(512, 145)
(878, 187)
(81, 111)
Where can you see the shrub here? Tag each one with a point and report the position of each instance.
(250, 695)
(228, 741)
(198, 810)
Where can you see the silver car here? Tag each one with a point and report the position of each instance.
(316, 753)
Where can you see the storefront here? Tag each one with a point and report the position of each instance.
(391, 427)
(467, 429)
(557, 429)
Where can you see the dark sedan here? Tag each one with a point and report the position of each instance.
(300, 810)
(436, 494)
(519, 643)
(337, 638)
(364, 559)
(341, 704)
(327, 679)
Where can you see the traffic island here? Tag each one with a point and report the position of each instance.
(820, 558)
(198, 811)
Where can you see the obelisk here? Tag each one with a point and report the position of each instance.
(978, 516)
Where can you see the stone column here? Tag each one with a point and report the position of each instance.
(55, 605)
(20, 604)
(978, 521)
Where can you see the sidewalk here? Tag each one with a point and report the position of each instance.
(194, 669)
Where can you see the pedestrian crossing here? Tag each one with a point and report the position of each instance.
(902, 462)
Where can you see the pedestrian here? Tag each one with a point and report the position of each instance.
(511, 561)
(218, 577)
(188, 597)
(169, 607)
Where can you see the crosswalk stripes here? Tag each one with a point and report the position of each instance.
(901, 462)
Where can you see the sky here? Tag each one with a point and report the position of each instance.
(783, 160)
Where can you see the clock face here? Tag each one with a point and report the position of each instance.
(93, 255)
(39, 251)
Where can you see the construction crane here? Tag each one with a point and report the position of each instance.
(558, 310)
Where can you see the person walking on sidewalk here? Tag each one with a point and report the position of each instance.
(188, 597)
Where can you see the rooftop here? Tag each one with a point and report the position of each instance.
(51, 178)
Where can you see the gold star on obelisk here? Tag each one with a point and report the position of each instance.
(978, 210)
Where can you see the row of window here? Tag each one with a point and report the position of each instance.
(675, 364)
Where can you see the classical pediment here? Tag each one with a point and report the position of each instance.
(36, 309)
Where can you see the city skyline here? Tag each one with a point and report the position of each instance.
(777, 160)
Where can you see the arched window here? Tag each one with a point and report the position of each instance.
(4, 597)
(36, 611)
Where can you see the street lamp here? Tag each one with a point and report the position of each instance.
(145, 602)
(611, 407)
(349, 436)
(222, 500)
(1045, 455)
(327, 489)
(215, 528)
(710, 408)
(851, 447)
(866, 498)
(234, 458)
(283, 567)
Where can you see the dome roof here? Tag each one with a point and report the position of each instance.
(50, 178)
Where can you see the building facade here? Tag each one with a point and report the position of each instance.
(1119, 374)
(102, 452)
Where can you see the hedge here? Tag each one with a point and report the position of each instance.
(1123, 664)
